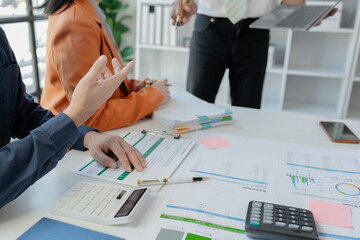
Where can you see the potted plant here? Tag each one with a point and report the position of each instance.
(111, 8)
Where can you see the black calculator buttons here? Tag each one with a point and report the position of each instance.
(268, 206)
(280, 211)
(280, 224)
(294, 226)
(307, 229)
(294, 221)
(257, 205)
(307, 224)
(265, 221)
(306, 215)
(272, 221)
(293, 213)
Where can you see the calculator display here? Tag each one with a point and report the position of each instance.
(130, 203)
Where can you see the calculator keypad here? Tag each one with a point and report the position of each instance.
(277, 219)
(89, 199)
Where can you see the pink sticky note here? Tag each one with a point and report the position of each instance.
(216, 142)
(331, 213)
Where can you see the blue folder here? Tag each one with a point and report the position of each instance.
(46, 229)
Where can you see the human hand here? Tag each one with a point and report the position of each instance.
(331, 13)
(163, 89)
(101, 146)
(189, 10)
(95, 88)
(145, 83)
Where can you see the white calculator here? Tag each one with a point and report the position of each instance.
(101, 203)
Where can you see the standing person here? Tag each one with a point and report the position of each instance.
(44, 139)
(77, 35)
(223, 40)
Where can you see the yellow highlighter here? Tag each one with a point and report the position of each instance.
(179, 17)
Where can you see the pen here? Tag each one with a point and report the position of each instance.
(165, 181)
(148, 82)
(179, 17)
(153, 132)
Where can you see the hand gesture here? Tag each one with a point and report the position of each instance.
(189, 10)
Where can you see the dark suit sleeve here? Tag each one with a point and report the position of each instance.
(27, 114)
(43, 138)
(24, 161)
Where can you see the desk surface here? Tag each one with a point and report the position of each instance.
(35, 202)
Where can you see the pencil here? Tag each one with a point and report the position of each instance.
(179, 17)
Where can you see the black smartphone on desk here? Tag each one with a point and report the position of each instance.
(338, 132)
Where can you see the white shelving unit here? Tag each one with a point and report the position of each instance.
(164, 60)
(315, 72)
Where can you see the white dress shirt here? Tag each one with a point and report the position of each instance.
(256, 8)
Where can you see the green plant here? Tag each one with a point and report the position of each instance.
(111, 8)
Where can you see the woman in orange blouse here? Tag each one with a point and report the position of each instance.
(77, 36)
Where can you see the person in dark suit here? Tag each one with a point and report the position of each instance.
(44, 139)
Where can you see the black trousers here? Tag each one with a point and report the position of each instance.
(216, 45)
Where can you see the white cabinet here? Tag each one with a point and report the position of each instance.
(315, 72)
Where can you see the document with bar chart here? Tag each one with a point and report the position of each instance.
(329, 174)
(251, 169)
(163, 155)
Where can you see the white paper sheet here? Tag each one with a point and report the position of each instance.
(237, 175)
(163, 155)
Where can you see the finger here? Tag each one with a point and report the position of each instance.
(134, 159)
(178, 7)
(107, 73)
(120, 153)
(105, 160)
(119, 77)
(97, 68)
(132, 155)
(142, 159)
(116, 65)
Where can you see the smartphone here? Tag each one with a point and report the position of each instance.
(338, 132)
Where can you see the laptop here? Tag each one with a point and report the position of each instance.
(294, 17)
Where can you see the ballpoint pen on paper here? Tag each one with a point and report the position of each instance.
(179, 17)
(165, 181)
(149, 83)
(153, 132)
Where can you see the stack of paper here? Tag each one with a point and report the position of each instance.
(185, 113)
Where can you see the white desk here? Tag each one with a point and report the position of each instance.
(35, 202)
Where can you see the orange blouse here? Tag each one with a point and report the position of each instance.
(75, 39)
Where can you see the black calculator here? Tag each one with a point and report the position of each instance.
(272, 221)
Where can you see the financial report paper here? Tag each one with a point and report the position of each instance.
(252, 169)
(163, 155)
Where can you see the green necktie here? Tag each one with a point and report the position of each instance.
(235, 10)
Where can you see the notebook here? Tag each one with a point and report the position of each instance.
(185, 112)
(295, 17)
(47, 228)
